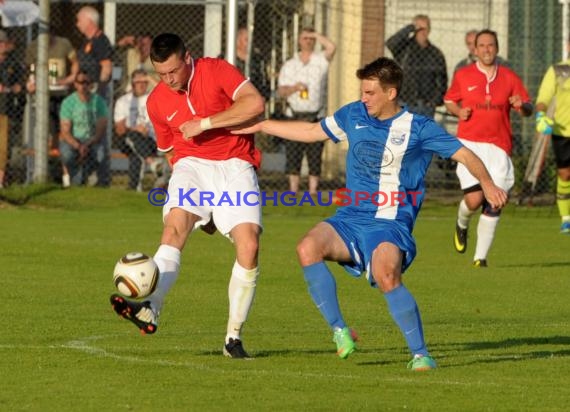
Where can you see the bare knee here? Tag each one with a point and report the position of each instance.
(388, 280)
(177, 226)
(246, 238)
(308, 251)
(174, 235)
(473, 203)
(247, 252)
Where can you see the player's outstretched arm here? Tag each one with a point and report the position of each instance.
(298, 131)
(496, 196)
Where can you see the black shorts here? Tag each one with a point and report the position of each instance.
(561, 148)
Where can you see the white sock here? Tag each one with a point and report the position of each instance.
(485, 235)
(464, 215)
(241, 292)
(167, 259)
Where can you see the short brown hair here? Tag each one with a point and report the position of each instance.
(385, 70)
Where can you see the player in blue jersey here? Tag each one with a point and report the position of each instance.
(389, 152)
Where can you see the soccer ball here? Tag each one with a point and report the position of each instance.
(135, 275)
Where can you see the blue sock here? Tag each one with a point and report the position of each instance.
(322, 288)
(406, 314)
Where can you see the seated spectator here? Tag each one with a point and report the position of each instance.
(83, 123)
(134, 129)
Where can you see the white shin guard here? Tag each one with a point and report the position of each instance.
(485, 235)
(241, 292)
(167, 259)
(464, 214)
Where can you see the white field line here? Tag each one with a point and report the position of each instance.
(86, 345)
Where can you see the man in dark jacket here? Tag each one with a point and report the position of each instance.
(425, 72)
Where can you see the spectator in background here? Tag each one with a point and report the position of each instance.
(62, 54)
(472, 52)
(134, 129)
(303, 82)
(553, 117)
(136, 55)
(83, 119)
(257, 66)
(425, 72)
(12, 101)
(471, 56)
(481, 96)
(95, 53)
(95, 58)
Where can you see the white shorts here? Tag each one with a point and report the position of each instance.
(214, 188)
(495, 159)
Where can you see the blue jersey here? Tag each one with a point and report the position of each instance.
(386, 161)
(385, 168)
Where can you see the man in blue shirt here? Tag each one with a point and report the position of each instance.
(389, 152)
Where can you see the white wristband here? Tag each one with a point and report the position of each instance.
(206, 124)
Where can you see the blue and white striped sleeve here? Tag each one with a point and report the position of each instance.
(334, 125)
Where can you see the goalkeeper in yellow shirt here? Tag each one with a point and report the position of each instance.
(553, 117)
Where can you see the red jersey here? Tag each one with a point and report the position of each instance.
(489, 102)
(212, 88)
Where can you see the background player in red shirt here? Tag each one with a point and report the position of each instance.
(482, 95)
(190, 109)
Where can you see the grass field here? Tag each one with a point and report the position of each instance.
(501, 335)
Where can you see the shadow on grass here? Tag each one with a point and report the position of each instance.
(507, 343)
(538, 265)
(301, 352)
(20, 195)
(465, 353)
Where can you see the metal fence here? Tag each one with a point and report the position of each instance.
(530, 36)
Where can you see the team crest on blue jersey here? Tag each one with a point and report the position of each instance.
(370, 158)
(397, 139)
(373, 154)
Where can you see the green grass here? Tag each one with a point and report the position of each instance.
(501, 335)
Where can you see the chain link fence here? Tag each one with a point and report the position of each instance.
(530, 37)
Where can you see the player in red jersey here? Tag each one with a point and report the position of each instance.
(482, 95)
(191, 109)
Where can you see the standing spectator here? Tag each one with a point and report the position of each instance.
(553, 117)
(389, 152)
(61, 54)
(425, 72)
(95, 58)
(12, 101)
(191, 109)
(481, 96)
(83, 119)
(95, 53)
(472, 52)
(471, 56)
(257, 67)
(303, 81)
(134, 129)
(136, 55)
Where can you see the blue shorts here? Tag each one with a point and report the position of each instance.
(362, 236)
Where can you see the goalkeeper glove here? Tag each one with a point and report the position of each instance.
(543, 123)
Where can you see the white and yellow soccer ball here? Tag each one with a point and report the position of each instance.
(136, 275)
